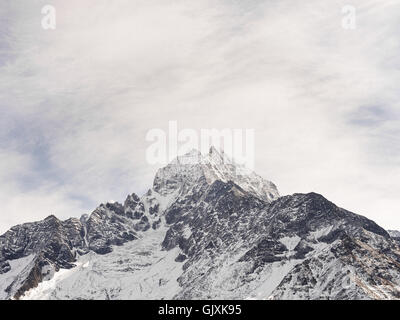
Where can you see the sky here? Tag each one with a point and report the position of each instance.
(77, 101)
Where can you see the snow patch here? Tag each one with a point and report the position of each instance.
(139, 269)
(7, 278)
(290, 242)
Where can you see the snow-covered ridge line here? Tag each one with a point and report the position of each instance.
(213, 166)
(206, 229)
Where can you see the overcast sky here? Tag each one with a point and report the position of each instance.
(76, 102)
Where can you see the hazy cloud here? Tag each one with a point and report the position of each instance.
(76, 102)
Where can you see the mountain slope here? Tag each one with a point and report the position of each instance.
(207, 229)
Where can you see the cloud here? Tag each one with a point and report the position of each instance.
(76, 102)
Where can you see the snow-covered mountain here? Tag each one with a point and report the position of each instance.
(206, 229)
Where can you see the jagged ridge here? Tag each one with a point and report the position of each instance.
(220, 230)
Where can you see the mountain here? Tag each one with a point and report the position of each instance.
(395, 235)
(208, 228)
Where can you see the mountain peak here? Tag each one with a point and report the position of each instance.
(212, 149)
(203, 206)
(214, 152)
(217, 157)
(189, 168)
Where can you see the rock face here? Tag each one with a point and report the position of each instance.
(207, 229)
(395, 235)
